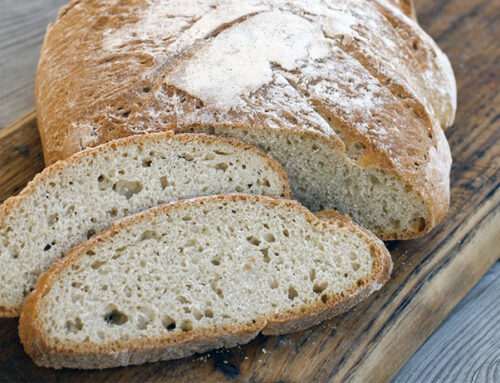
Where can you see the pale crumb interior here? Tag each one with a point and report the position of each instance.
(204, 266)
(323, 178)
(84, 198)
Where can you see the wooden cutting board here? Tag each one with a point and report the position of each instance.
(431, 275)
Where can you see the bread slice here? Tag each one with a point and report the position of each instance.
(73, 199)
(197, 275)
(350, 96)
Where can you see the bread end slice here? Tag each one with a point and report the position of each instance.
(306, 288)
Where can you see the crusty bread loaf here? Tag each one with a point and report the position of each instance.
(349, 95)
(75, 198)
(196, 275)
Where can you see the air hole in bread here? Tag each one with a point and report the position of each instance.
(90, 233)
(27, 292)
(186, 325)
(318, 288)
(216, 262)
(273, 283)
(269, 237)
(312, 274)
(221, 166)
(187, 157)
(146, 163)
(104, 182)
(97, 264)
(90, 252)
(149, 234)
(418, 223)
(70, 210)
(74, 326)
(292, 293)
(127, 188)
(165, 182)
(52, 219)
(115, 317)
(209, 313)
(197, 314)
(216, 289)
(324, 298)
(239, 189)
(253, 240)
(265, 253)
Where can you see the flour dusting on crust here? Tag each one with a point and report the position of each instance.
(238, 61)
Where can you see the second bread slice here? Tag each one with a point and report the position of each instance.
(196, 275)
(75, 198)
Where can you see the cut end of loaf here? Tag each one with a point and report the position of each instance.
(323, 176)
(195, 275)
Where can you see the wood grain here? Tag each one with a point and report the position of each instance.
(22, 27)
(466, 347)
(431, 275)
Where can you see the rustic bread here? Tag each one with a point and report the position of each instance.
(75, 198)
(196, 275)
(348, 96)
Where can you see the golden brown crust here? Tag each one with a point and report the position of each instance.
(122, 353)
(399, 134)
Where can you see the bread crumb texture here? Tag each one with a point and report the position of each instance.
(199, 269)
(77, 198)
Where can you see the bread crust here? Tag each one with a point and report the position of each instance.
(53, 170)
(404, 137)
(407, 7)
(121, 353)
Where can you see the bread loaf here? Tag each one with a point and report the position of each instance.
(348, 95)
(78, 197)
(196, 275)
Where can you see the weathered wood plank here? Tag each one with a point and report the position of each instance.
(22, 27)
(466, 347)
(21, 155)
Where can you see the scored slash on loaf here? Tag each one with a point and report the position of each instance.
(350, 96)
(78, 197)
(196, 275)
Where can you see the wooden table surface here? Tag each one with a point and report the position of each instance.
(466, 347)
